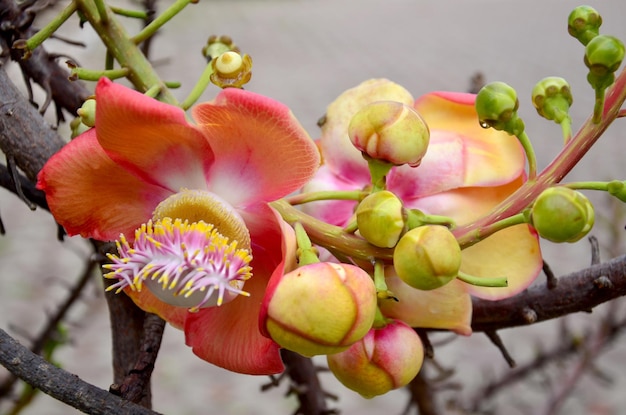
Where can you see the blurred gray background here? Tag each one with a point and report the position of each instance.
(305, 53)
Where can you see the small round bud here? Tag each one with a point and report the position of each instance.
(552, 98)
(427, 257)
(381, 219)
(496, 105)
(390, 131)
(321, 308)
(77, 127)
(584, 23)
(231, 69)
(87, 112)
(561, 214)
(386, 358)
(604, 55)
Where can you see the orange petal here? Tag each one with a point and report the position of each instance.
(229, 336)
(513, 253)
(448, 307)
(339, 153)
(484, 156)
(261, 151)
(151, 139)
(90, 195)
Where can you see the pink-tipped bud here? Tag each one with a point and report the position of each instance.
(386, 358)
(321, 308)
(390, 131)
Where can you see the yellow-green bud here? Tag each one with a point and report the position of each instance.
(321, 308)
(561, 214)
(77, 127)
(386, 358)
(87, 112)
(231, 70)
(390, 131)
(496, 105)
(427, 257)
(381, 219)
(604, 55)
(552, 98)
(584, 23)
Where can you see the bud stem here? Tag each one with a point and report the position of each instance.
(378, 172)
(48, 30)
(601, 186)
(163, 18)
(598, 107)
(94, 75)
(566, 128)
(483, 282)
(307, 254)
(481, 233)
(199, 87)
(530, 154)
(308, 197)
(417, 218)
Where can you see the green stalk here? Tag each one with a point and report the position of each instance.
(199, 88)
(163, 18)
(48, 30)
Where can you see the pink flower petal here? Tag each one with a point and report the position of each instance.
(335, 212)
(151, 139)
(90, 195)
(448, 307)
(261, 151)
(229, 336)
(513, 253)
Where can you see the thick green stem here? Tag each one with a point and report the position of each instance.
(142, 75)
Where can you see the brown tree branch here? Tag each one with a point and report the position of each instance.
(60, 384)
(578, 291)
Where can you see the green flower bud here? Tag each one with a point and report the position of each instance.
(87, 112)
(496, 105)
(561, 214)
(77, 127)
(427, 257)
(390, 131)
(552, 98)
(617, 188)
(231, 70)
(381, 219)
(604, 55)
(584, 23)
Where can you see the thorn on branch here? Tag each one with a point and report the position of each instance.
(552, 281)
(595, 250)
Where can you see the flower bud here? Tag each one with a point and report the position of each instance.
(390, 131)
(381, 219)
(604, 55)
(87, 112)
(77, 127)
(552, 98)
(231, 69)
(216, 45)
(584, 23)
(427, 257)
(496, 105)
(321, 308)
(386, 358)
(561, 214)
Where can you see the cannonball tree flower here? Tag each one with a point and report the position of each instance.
(466, 171)
(191, 203)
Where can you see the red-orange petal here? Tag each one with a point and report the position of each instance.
(151, 139)
(90, 195)
(229, 336)
(261, 151)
